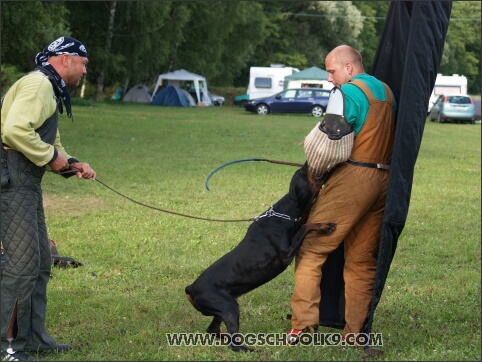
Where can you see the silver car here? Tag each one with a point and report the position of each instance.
(217, 100)
(453, 107)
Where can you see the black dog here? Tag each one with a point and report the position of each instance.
(267, 249)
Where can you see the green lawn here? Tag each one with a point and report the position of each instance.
(130, 293)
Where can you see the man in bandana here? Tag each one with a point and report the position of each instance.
(30, 146)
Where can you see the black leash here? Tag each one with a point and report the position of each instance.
(168, 211)
(69, 171)
(73, 170)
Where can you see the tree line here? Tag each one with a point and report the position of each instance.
(131, 42)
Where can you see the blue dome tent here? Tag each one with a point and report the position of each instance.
(170, 96)
(199, 84)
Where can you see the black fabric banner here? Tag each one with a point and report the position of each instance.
(407, 59)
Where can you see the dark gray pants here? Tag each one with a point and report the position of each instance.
(28, 258)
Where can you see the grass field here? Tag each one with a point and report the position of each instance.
(130, 293)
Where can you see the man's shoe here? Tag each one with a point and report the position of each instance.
(11, 355)
(293, 337)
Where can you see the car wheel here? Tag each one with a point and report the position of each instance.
(440, 119)
(317, 111)
(262, 109)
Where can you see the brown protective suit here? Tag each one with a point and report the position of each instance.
(354, 199)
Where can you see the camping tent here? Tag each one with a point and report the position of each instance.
(190, 99)
(171, 96)
(174, 78)
(311, 76)
(407, 59)
(138, 93)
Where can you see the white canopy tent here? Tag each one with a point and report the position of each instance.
(199, 82)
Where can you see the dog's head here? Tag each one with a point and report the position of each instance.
(304, 186)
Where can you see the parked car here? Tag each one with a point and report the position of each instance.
(215, 99)
(453, 107)
(296, 100)
(241, 100)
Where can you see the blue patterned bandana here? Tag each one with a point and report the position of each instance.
(62, 45)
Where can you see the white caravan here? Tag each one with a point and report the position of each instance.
(448, 84)
(266, 81)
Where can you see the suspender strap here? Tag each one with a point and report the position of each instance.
(371, 165)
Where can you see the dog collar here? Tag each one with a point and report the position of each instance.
(270, 212)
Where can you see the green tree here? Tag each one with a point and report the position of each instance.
(302, 33)
(127, 43)
(89, 22)
(131, 42)
(210, 38)
(374, 14)
(218, 39)
(147, 34)
(462, 50)
(26, 28)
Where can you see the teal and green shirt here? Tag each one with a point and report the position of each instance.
(356, 102)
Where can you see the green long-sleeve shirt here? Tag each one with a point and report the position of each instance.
(26, 106)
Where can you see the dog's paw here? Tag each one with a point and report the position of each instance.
(219, 334)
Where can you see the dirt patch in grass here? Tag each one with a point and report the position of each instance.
(71, 206)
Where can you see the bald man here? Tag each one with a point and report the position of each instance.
(353, 197)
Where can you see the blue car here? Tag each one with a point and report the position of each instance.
(456, 107)
(296, 100)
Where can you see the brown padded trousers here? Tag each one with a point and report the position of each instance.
(353, 198)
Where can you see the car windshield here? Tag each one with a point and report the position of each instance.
(459, 100)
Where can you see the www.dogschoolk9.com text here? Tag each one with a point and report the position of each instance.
(275, 339)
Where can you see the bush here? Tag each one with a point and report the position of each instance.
(9, 75)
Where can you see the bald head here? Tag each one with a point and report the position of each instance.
(342, 64)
